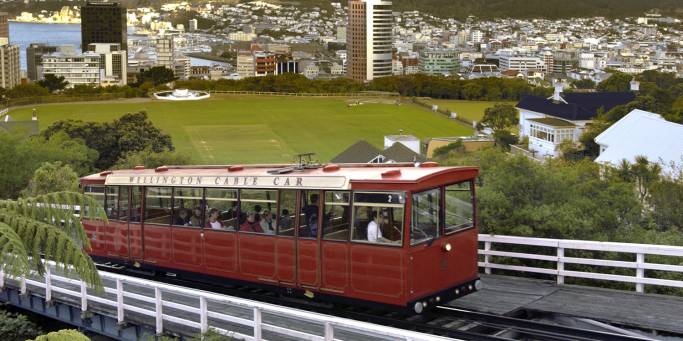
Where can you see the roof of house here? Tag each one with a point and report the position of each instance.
(398, 152)
(360, 152)
(579, 106)
(643, 133)
(553, 122)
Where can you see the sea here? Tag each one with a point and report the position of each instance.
(24, 34)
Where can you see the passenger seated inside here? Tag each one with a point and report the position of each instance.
(250, 224)
(196, 219)
(285, 219)
(213, 221)
(313, 225)
(267, 223)
(183, 218)
(375, 228)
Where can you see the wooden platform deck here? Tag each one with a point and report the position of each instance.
(505, 295)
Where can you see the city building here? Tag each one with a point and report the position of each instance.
(113, 64)
(287, 66)
(76, 68)
(10, 75)
(438, 62)
(182, 67)
(265, 64)
(369, 39)
(521, 63)
(165, 51)
(104, 22)
(192, 25)
(245, 64)
(34, 59)
(4, 26)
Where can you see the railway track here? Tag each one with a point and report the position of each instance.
(442, 320)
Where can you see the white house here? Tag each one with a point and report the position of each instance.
(547, 122)
(643, 133)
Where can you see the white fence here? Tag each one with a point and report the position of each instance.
(641, 251)
(161, 304)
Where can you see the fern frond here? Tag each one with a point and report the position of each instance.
(14, 259)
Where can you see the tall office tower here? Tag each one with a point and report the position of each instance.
(9, 66)
(103, 22)
(113, 64)
(34, 59)
(369, 39)
(4, 26)
(164, 47)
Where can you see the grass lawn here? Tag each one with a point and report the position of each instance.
(250, 129)
(470, 110)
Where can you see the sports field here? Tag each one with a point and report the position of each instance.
(469, 110)
(250, 129)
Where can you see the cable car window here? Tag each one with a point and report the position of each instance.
(188, 207)
(135, 203)
(308, 215)
(336, 215)
(97, 194)
(158, 205)
(124, 203)
(256, 210)
(425, 216)
(378, 218)
(459, 207)
(222, 209)
(111, 202)
(287, 214)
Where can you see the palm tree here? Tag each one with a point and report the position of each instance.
(46, 228)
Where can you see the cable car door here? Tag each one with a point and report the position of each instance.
(307, 247)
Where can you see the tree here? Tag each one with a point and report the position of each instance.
(63, 335)
(499, 117)
(442, 151)
(618, 82)
(642, 173)
(53, 83)
(151, 159)
(16, 327)
(27, 90)
(44, 228)
(52, 177)
(158, 75)
(584, 84)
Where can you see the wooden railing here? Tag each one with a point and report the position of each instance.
(559, 247)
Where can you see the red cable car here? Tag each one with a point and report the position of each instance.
(402, 235)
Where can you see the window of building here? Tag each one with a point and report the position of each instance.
(459, 207)
(336, 215)
(425, 216)
(158, 205)
(188, 207)
(222, 209)
(378, 217)
(256, 207)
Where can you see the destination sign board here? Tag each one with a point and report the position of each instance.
(279, 181)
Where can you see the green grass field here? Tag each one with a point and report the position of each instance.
(250, 129)
(469, 110)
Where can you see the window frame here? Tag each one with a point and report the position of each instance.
(473, 201)
(206, 204)
(353, 216)
(441, 214)
(350, 215)
(143, 216)
(275, 201)
(202, 201)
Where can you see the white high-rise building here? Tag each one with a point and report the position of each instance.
(9, 66)
(193, 25)
(369, 38)
(164, 47)
(76, 68)
(113, 63)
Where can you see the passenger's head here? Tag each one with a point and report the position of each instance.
(285, 212)
(251, 216)
(266, 215)
(197, 212)
(257, 208)
(183, 213)
(373, 215)
(213, 214)
(314, 198)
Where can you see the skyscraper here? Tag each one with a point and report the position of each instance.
(34, 59)
(9, 66)
(369, 39)
(103, 22)
(4, 25)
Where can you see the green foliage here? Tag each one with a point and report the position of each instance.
(27, 90)
(643, 173)
(52, 177)
(584, 84)
(20, 157)
(457, 146)
(499, 117)
(53, 83)
(132, 132)
(157, 75)
(152, 159)
(63, 335)
(16, 327)
(46, 225)
(618, 82)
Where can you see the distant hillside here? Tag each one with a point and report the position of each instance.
(551, 9)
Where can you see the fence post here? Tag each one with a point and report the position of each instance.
(2, 279)
(119, 301)
(257, 324)
(22, 284)
(203, 318)
(329, 332)
(84, 297)
(487, 258)
(640, 272)
(159, 311)
(48, 284)
(560, 265)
